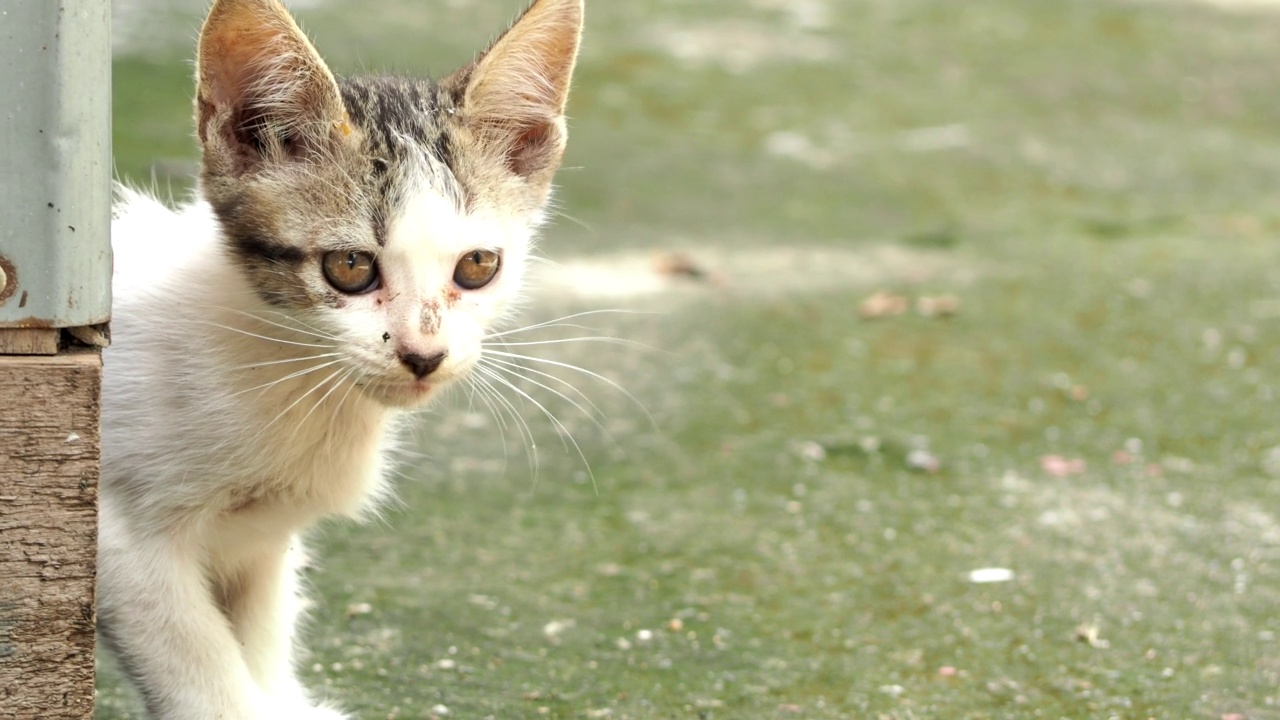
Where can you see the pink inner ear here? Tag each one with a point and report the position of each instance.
(262, 88)
(233, 48)
(226, 74)
(531, 149)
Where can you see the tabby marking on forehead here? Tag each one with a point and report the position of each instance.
(404, 135)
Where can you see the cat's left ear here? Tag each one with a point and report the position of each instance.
(263, 95)
(516, 91)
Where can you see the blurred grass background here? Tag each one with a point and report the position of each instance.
(1095, 182)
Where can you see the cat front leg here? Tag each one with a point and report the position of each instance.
(263, 601)
(156, 612)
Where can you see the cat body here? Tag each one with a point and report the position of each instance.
(355, 242)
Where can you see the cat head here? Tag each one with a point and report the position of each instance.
(392, 215)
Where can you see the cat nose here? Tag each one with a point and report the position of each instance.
(422, 365)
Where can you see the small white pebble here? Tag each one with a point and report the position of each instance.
(553, 629)
(811, 451)
(892, 690)
(440, 709)
(644, 635)
(991, 575)
(446, 664)
(923, 460)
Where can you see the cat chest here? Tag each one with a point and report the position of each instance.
(306, 483)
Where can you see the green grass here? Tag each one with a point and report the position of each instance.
(1104, 199)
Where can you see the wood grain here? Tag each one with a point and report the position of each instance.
(28, 341)
(49, 464)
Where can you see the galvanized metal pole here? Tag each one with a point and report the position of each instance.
(55, 163)
(55, 300)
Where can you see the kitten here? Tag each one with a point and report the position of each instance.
(355, 241)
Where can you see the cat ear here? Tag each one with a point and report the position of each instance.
(517, 90)
(262, 92)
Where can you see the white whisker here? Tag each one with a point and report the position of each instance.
(585, 313)
(555, 421)
(309, 331)
(307, 325)
(571, 218)
(303, 396)
(265, 337)
(473, 391)
(587, 338)
(287, 360)
(584, 371)
(518, 370)
(341, 401)
(521, 425)
(290, 376)
(336, 384)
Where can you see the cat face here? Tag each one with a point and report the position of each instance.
(390, 217)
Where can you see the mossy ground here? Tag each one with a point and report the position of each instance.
(1099, 185)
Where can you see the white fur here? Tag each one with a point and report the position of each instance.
(229, 425)
(211, 472)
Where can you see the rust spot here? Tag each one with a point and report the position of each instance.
(11, 281)
(31, 322)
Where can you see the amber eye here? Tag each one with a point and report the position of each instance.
(351, 272)
(476, 268)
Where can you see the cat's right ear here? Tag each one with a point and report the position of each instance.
(263, 95)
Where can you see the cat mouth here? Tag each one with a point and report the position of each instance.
(400, 394)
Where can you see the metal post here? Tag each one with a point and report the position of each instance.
(55, 300)
(55, 160)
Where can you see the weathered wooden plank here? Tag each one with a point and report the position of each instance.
(49, 464)
(28, 341)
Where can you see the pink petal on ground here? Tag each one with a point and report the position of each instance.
(1059, 466)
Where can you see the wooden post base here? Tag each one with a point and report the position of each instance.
(49, 466)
